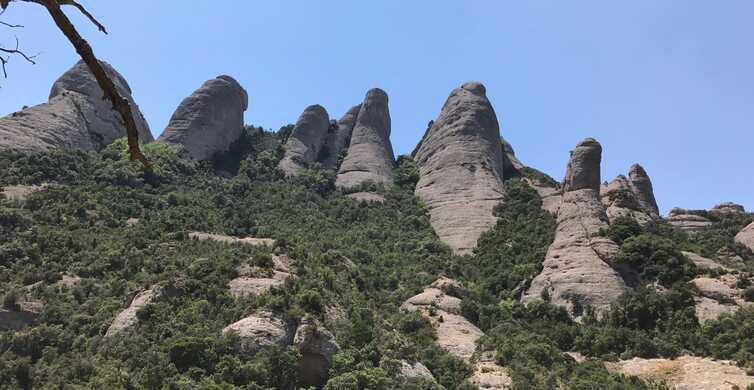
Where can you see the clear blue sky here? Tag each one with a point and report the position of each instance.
(668, 84)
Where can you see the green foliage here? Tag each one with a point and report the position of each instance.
(656, 258)
(407, 172)
(621, 229)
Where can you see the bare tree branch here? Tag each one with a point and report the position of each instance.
(10, 25)
(82, 47)
(73, 3)
(4, 61)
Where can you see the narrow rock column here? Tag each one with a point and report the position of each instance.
(306, 141)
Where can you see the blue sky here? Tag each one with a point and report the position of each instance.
(668, 84)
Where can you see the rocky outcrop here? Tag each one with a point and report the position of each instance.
(231, 240)
(703, 263)
(716, 296)
(339, 139)
(728, 208)
(489, 375)
(210, 120)
(641, 187)
(686, 221)
(370, 154)
(317, 347)
(25, 314)
(127, 318)
(306, 141)
(511, 164)
(460, 163)
(746, 236)
(254, 281)
(76, 116)
(19, 193)
(367, 197)
(577, 270)
(259, 331)
(686, 372)
(415, 370)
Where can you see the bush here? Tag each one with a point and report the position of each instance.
(656, 259)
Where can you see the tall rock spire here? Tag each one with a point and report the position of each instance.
(641, 186)
(578, 268)
(460, 163)
(306, 140)
(370, 154)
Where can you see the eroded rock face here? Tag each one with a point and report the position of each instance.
(583, 170)
(306, 140)
(631, 197)
(210, 120)
(460, 163)
(746, 236)
(703, 263)
(127, 318)
(76, 116)
(201, 236)
(641, 186)
(511, 164)
(489, 375)
(415, 370)
(686, 372)
(578, 268)
(370, 154)
(259, 331)
(317, 346)
(728, 208)
(689, 223)
(339, 139)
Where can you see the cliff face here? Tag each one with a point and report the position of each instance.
(306, 140)
(461, 163)
(76, 116)
(209, 120)
(370, 154)
(577, 270)
(631, 196)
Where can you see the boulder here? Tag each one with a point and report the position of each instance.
(317, 346)
(433, 297)
(687, 222)
(490, 375)
(370, 155)
(259, 331)
(461, 164)
(339, 139)
(746, 236)
(245, 287)
(231, 240)
(306, 141)
(127, 318)
(209, 120)
(702, 262)
(415, 370)
(686, 372)
(76, 116)
(19, 193)
(577, 271)
(717, 296)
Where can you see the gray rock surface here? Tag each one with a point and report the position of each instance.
(578, 265)
(317, 346)
(306, 140)
(641, 186)
(728, 208)
(127, 318)
(415, 370)
(370, 154)
(209, 120)
(583, 170)
(689, 223)
(511, 164)
(461, 168)
(339, 139)
(703, 262)
(631, 197)
(746, 236)
(259, 331)
(76, 116)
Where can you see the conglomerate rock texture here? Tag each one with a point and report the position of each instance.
(461, 164)
(76, 116)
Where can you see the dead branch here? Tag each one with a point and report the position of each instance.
(16, 51)
(73, 3)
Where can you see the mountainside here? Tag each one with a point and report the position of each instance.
(311, 257)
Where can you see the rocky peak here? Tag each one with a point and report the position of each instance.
(460, 163)
(306, 141)
(338, 140)
(209, 120)
(370, 154)
(641, 186)
(584, 166)
(77, 116)
(728, 208)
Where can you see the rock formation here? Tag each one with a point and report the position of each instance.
(460, 163)
(317, 346)
(306, 140)
(717, 295)
(415, 370)
(255, 281)
(259, 331)
(24, 315)
(511, 164)
(686, 221)
(339, 139)
(76, 116)
(578, 266)
(686, 372)
(631, 197)
(370, 154)
(703, 263)
(210, 120)
(201, 236)
(746, 236)
(728, 208)
(127, 318)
